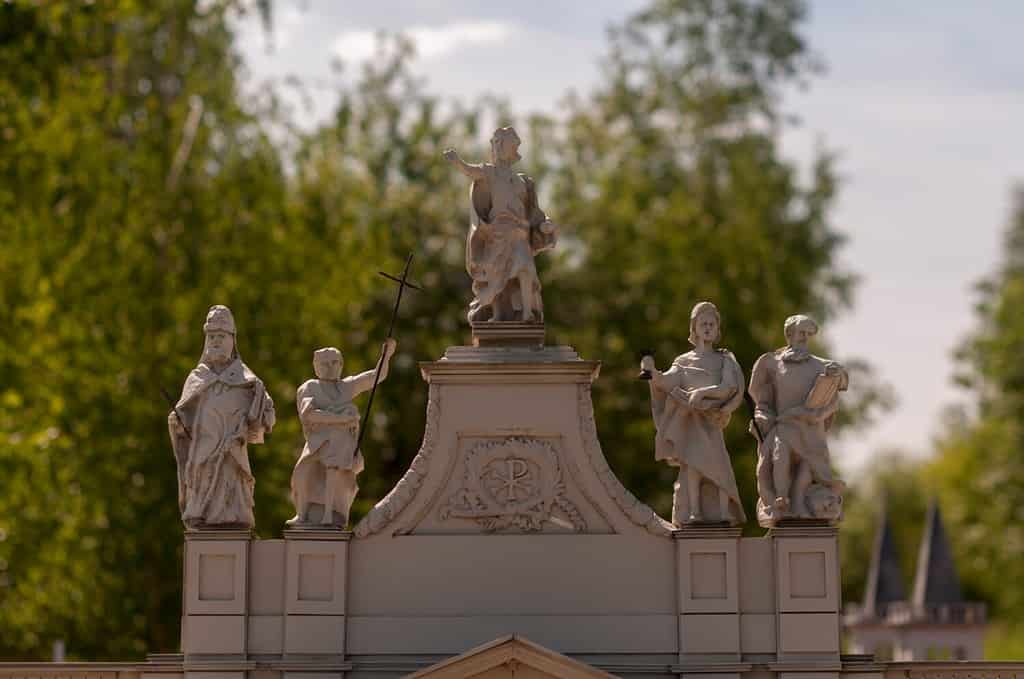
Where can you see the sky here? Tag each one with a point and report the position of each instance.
(921, 101)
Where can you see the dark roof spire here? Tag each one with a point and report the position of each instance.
(885, 581)
(936, 581)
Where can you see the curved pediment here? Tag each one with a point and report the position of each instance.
(510, 446)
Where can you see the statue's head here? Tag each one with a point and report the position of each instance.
(799, 330)
(327, 363)
(705, 323)
(505, 146)
(219, 327)
(825, 502)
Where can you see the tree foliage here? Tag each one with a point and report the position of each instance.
(897, 486)
(977, 467)
(140, 187)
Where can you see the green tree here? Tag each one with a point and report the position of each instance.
(977, 466)
(140, 187)
(895, 484)
(135, 190)
(672, 176)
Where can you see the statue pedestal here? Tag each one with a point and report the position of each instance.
(807, 591)
(505, 334)
(315, 568)
(707, 561)
(509, 521)
(216, 592)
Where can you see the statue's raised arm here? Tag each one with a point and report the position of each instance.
(472, 171)
(507, 229)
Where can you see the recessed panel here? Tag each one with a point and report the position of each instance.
(807, 575)
(707, 575)
(216, 577)
(316, 577)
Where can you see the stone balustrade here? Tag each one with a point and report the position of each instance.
(172, 667)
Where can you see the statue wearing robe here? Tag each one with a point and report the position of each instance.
(796, 395)
(324, 478)
(507, 229)
(692, 403)
(223, 412)
(505, 233)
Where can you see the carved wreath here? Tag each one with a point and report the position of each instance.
(512, 482)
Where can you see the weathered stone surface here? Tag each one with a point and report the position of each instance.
(223, 407)
(797, 396)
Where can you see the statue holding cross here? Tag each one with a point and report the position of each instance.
(323, 483)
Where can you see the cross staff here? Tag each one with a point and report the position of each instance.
(174, 406)
(403, 283)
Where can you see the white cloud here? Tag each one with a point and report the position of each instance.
(431, 42)
(287, 23)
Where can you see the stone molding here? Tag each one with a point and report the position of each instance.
(510, 372)
(636, 511)
(385, 511)
(507, 333)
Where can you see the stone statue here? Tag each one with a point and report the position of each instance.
(506, 230)
(324, 480)
(692, 402)
(223, 407)
(796, 395)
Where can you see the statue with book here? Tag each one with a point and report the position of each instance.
(796, 397)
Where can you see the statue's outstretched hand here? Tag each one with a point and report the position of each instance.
(390, 344)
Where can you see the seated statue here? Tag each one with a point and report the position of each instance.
(797, 396)
(506, 230)
(692, 402)
(324, 480)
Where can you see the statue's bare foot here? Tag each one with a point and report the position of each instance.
(296, 520)
(781, 504)
(696, 517)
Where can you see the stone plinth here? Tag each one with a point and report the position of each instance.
(215, 592)
(707, 560)
(316, 564)
(807, 590)
(506, 334)
(509, 521)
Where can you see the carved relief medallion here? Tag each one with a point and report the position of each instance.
(515, 482)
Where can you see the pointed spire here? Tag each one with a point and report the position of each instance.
(936, 581)
(885, 581)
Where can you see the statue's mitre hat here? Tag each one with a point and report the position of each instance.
(219, 318)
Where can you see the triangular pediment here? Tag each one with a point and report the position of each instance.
(508, 657)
